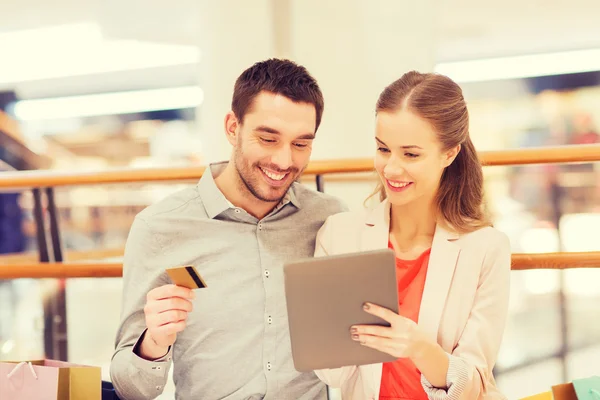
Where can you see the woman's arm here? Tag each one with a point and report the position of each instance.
(469, 366)
(464, 373)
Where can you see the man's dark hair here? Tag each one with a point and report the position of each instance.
(277, 76)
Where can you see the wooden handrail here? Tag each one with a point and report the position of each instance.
(30, 179)
(564, 260)
(520, 262)
(70, 256)
(61, 270)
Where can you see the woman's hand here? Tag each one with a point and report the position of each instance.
(403, 339)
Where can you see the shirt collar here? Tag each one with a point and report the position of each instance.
(215, 201)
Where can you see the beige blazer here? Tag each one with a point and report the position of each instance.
(464, 304)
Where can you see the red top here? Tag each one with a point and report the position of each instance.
(401, 379)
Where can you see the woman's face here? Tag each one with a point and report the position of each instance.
(409, 158)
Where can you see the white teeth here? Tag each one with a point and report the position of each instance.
(275, 177)
(398, 184)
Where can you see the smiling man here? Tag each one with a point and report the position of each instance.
(237, 227)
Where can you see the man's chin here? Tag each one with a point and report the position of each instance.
(273, 195)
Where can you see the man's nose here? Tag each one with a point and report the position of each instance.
(283, 158)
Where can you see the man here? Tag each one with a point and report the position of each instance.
(238, 226)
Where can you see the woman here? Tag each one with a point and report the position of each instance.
(453, 268)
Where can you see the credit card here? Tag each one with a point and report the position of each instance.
(186, 276)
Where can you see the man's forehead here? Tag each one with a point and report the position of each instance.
(284, 118)
(275, 102)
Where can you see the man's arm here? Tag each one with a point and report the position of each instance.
(133, 376)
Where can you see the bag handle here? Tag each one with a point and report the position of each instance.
(19, 365)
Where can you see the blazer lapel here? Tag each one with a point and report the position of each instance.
(375, 235)
(440, 271)
(376, 232)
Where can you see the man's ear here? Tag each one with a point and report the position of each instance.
(450, 155)
(231, 127)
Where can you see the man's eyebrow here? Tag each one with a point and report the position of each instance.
(267, 129)
(307, 136)
(273, 131)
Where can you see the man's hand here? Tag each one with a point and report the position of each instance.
(166, 312)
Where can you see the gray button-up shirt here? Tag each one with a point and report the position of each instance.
(236, 344)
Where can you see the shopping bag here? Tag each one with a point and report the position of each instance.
(539, 396)
(564, 391)
(587, 388)
(49, 380)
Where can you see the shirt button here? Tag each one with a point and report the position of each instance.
(237, 210)
(270, 320)
(260, 227)
(267, 273)
(269, 366)
(158, 387)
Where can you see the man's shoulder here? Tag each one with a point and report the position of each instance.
(316, 201)
(175, 204)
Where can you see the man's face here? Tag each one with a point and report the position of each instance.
(273, 145)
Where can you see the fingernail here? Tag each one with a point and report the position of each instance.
(354, 329)
(355, 337)
(366, 306)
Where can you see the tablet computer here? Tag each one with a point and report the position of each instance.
(325, 296)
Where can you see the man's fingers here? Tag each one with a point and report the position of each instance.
(168, 291)
(171, 328)
(169, 317)
(174, 303)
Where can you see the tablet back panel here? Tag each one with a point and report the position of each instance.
(324, 299)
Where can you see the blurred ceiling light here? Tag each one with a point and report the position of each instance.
(521, 66)
(85, 33)
(579, 232)
(8, 346)
(109, 103)
(540, 240)
(80, 49)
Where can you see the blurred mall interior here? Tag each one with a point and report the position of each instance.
(91, 85)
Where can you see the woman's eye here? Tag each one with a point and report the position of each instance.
(383, 150)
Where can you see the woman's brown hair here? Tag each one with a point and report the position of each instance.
(439, 100)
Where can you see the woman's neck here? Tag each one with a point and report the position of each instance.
(412, 227)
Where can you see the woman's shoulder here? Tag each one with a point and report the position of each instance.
(347, 218)
(486, 238)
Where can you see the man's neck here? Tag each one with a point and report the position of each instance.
(235, 190)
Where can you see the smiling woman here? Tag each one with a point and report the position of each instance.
(452, 268)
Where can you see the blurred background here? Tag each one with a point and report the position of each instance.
(99, 84)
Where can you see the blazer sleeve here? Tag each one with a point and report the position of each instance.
(472, 361)
(336, 377)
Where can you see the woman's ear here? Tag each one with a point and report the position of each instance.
(450, 155)
(231, 127)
